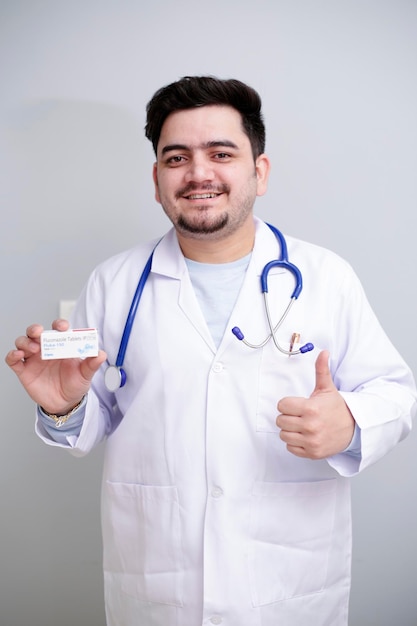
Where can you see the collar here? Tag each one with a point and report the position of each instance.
(168, 259)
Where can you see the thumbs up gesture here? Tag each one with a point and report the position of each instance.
(321, 425)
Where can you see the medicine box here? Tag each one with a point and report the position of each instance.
(75, 343)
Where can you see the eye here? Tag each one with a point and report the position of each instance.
(177, 159)
(222, 156)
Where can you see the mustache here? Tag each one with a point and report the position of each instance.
(206, 188)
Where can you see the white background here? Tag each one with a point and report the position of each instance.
(338, 82)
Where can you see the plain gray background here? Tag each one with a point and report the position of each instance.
(338, 82)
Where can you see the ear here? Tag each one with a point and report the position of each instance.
(155, 181)
(262, 168)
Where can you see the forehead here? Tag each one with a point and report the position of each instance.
(201, 125)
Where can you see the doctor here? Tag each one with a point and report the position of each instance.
(226, 475)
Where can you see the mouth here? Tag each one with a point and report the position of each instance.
(202, 196)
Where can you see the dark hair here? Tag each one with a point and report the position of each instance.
(199, 91)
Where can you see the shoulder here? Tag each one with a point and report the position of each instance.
(132, 260)
(132, 257)
(324, 271)
(314, 253)
(306, 253)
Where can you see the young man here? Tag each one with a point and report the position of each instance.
(215, 509)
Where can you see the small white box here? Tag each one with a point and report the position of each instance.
(72, 344)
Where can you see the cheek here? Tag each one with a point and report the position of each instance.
(166, 185)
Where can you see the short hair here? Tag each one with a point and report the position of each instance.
(198, 91)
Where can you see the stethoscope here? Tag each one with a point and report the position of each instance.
(115, 375)
(284, 263)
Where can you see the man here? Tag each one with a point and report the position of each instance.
(215, 509)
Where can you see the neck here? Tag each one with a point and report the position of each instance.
(222, 249)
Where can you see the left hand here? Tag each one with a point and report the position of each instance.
(321, 425)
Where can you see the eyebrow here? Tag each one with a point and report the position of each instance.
(222, 143)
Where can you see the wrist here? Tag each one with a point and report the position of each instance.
(61, 418)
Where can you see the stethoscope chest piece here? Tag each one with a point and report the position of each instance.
(114, 378)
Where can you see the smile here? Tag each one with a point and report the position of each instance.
(202, 196)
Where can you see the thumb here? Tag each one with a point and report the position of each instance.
(90, 365)
(324, 380)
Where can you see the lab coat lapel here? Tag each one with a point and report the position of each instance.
(168, 260)
(249, 311)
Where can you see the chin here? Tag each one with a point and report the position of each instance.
(203, 227)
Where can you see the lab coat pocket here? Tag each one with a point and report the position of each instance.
(292, 528)
(142, 541)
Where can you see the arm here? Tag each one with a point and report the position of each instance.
(323, 425)
(365, 389)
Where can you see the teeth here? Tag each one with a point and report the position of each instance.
(202, 196)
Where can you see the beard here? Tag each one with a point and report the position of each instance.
(203, 222)
(204, 226)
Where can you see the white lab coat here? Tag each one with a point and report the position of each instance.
(207, 519)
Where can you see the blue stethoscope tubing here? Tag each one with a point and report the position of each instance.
(285, 264)
(115, 375)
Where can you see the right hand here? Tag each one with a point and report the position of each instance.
(56, 385)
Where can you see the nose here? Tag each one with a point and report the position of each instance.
(200, 169)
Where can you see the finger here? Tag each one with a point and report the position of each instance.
(60, 324)
(27, 345)
(298, 451)
(90, 365)
(324, 380)
(292, 406)
(34, 331)
(289, 423)
(17, 361)
(293, 441)
(14, 357)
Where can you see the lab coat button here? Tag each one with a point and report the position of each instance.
(216, 492)
(217, 367)
(216, 619)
